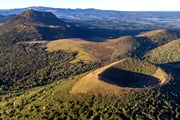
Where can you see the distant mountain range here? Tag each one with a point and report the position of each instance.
(109, 19)
(4, 18)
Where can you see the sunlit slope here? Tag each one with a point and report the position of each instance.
(121, 78)
(160, 36)
(109, 50)
(169, 52)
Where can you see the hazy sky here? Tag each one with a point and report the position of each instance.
(125, 5)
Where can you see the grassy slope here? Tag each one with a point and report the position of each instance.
(169, 52)
(71, 46)
(160, 36)
(154, 33)
(109, 50)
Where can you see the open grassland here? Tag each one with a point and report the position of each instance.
(70, 45)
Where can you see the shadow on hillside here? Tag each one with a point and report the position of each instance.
(173, 68)
(172, 65)
(125, 78)
(99, 35)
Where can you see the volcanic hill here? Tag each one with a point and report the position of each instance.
(122, 77)
(35, 25)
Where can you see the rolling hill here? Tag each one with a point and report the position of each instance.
(106, 51)
(167, 53)
(152, 39)
(160, 36)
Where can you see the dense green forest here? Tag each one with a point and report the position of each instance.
(54, 101)
(29, 65)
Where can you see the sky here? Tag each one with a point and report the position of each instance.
(121, 5)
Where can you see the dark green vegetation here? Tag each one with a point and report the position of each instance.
(29, 65)
(35, 84)
(55, 102)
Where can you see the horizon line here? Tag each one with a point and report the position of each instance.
(92, 8)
